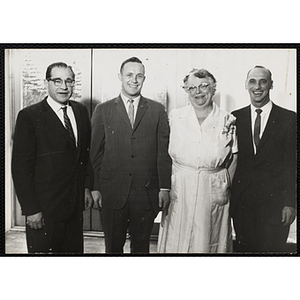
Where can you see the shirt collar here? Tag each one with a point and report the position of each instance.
(213, 112)
(55, 105)
(265, 109)
(125, 99)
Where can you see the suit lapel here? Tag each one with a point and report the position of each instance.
(142, 107)
(272, 124)
(78, 119)
(245, 129)
(53, 122)
(121, 110)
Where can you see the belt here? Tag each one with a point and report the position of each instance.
(198, 170)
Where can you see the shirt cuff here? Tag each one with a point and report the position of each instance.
(167, 190)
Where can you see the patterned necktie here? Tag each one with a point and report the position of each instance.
(68, 124)
(131, 112)
(257, 127)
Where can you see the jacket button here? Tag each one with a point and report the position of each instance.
(132, 156)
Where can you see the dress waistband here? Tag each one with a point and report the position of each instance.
(206, 170)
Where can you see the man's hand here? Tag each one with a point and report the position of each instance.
(288, 215)
(36, 221)
(97, 197)
(163, 202)
(88, 199)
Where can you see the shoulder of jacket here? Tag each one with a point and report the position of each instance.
(106, 103)
(76, 103)
(240, 111)
(154, 103)
(36, 107)
(284, 110)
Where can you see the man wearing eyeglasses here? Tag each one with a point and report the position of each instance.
(49, 166)
(264, 185)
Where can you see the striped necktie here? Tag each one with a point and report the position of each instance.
(131, 112)
(68, 124)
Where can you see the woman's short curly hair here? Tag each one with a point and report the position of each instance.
(200, 73)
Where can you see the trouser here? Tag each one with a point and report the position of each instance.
(57, 237)
(133, 217)
(255, 233)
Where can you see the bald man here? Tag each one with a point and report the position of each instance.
(263, 192)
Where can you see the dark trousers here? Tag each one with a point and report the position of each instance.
(254, 232)
(133, 217)
(57, 237)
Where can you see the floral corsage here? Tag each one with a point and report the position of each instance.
(229, 124)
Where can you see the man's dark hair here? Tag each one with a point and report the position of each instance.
(131, 59)
(58, 65)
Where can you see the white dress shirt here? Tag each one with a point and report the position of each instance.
(57, 108)
(135, 103)
(264, 119)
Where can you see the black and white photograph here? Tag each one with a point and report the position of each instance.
(148, 150)
(153, 151)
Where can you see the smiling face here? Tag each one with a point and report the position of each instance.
(63, 93)
(258, 84)
(132, 78)
(200, 98)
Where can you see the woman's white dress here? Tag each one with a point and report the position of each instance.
(198, 220)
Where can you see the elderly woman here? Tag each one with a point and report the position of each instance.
(203, 149)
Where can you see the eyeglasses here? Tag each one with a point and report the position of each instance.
(202, 87)
(59, 82)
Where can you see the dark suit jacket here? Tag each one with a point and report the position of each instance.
(121, 155)
(49, 173)
(269, 176)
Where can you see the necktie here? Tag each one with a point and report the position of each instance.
(257, 127)
(68, 123)
(131, 112)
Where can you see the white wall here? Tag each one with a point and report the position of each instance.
(165, 69)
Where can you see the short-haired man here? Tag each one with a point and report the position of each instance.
(132, 168)
(49, 166)
(263, 192)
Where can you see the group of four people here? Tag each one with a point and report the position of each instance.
(200, 166)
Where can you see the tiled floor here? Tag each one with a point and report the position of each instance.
(15, 243)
